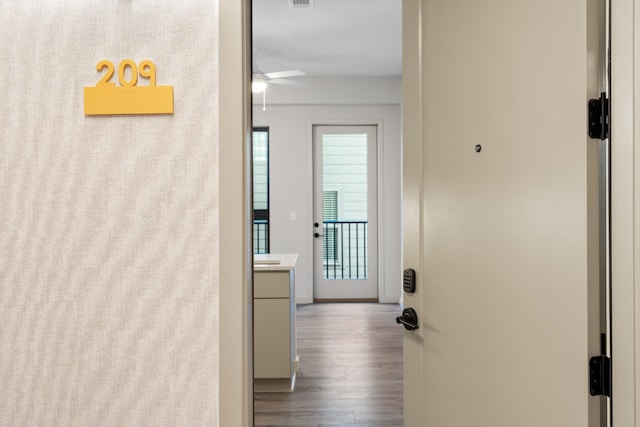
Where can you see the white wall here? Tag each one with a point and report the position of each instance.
(289, 115)
(108, 225)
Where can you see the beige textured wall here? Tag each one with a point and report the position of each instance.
(108, 225)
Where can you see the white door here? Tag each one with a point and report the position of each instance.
(495, 211)
(345, 213)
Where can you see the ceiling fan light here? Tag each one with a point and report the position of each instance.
(258, 86)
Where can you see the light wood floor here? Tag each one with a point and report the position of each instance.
(350, 370)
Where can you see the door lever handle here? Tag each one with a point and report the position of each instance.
(409, 319)
(317, 235)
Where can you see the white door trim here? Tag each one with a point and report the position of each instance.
(235, 398)
(382, 297)
(625, 210)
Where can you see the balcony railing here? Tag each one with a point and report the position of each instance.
(260, 236)
(344, 250)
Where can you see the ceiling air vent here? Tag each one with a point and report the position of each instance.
(301, 3)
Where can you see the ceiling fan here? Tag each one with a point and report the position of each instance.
(261, 80)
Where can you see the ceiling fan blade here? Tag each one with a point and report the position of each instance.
(285, 82)
(288, 73)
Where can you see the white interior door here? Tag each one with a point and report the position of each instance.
(345, 212)
(495, 193)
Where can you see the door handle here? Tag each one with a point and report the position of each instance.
(316, 235)
(409, 319)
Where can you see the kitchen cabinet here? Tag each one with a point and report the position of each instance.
(274, 326)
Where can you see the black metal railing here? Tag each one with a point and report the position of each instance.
(260, 236)
(344, 250)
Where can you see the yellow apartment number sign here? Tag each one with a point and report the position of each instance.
(106, 98)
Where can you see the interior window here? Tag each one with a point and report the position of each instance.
(261, 190)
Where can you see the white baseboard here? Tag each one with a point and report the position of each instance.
(304, 300)
(382, 300)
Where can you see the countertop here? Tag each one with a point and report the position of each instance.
(274, 262)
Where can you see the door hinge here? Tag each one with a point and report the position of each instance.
(600, 376)
(599, 117)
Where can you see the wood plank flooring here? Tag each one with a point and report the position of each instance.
(350, 370)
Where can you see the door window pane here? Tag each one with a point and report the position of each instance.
(344, 183)
(261, 191)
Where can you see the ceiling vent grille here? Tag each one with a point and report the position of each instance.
(301, 3)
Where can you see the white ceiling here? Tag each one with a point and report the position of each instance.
(334, 38)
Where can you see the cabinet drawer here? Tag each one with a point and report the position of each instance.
(271, 284)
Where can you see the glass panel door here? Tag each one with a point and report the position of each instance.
(345, 208)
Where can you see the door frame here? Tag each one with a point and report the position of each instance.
(382, 297)
(235, 288)
(235, 375)
(625, 210)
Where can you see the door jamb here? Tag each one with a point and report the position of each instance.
(235, 365)
(625, 210)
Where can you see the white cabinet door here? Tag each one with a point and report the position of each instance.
(272, 338)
